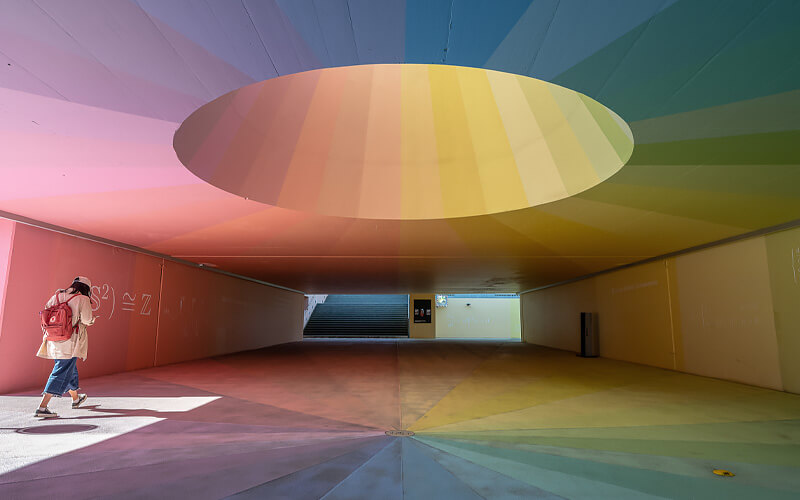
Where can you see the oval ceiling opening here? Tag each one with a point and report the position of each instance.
(406, 141)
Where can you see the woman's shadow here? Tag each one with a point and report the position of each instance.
(98, 412)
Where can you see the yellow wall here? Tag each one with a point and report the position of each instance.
(484, 318)
(730, 311)
(551, 316)
(726, 314)
(783, 258)
(422, 330)
(634, 316)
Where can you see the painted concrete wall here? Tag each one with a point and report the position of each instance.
(206, 314)
(551, 317)
(497, 318)
(143, 319)
(422, 330)
(634, 315)
(731, 312)
(726, 319)
(783, 260)
(6, 239)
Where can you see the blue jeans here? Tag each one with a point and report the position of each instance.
(63, 378)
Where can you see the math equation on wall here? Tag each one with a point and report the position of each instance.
(796, 265)
(107, 301)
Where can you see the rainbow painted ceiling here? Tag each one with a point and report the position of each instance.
(404, 141)
(92, 94)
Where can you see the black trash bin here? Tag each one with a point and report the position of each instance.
(590, 344)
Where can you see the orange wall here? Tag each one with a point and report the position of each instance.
(202, 313)
(731, 312)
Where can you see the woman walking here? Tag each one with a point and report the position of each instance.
(64, 377)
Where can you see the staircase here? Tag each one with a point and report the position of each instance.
(360, 316)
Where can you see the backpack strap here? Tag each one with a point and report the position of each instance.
(78, 321)
(59, 292)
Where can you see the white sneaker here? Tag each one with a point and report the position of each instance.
(79, 401)
(46, 413)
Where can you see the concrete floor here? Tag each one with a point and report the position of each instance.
(492, 420)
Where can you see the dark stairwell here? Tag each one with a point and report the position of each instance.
(360, 316)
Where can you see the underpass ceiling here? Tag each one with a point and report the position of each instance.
(91, 94)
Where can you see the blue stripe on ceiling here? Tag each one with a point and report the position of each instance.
(426, 30)
(334, 21)
(379, 27)
(289, 53)
(579, 29)
(220, 27)
(478, 27)
(303, 16)
(520, 48)
(642, 58)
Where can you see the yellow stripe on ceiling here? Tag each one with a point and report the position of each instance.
(462, 192)
(421, 186)
(497, 168)
(538, 172)
(576, 170)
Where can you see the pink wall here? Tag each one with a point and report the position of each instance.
(6, 239)
(202, 313)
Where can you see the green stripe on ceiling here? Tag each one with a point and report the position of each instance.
(662, 63)
(616, 136)
(761, 60)
(774, 113)
(745, 181)
(773, 148)
(746, 196)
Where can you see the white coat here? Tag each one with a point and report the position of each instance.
(78, 345)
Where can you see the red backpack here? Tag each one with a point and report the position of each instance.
(57, 320)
